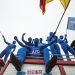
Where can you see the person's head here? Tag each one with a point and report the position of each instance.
(14, 42)
(73, 44)
(36, 41)
(61, 37)
(51, 33)
(29, 39)
(40, 40)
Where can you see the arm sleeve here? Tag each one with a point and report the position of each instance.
(42, 47)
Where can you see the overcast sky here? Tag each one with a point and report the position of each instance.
(25, 16)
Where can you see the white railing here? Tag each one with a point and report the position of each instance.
(64, 56)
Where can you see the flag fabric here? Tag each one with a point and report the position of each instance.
(47, 1)
(43, 5)
(65, 3)
(71, 23)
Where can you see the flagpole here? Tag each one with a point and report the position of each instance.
(60, 21)
(61, 18)
(58, 24)
(66, 28)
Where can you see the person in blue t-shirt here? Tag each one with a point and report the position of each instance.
(41, 42)
(9, 49)
(29, 42)
(34, 50)
(55, 49)
(66, 47)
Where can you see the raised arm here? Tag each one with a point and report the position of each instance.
(23, 38)
(5, 40)
(46, 45)
(21, 44)
(27, 43)
(65, 39)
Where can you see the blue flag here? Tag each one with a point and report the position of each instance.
(71, 23)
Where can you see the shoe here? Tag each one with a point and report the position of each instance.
(15, 62)
(51, 63)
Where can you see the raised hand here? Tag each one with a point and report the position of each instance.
(15, 37)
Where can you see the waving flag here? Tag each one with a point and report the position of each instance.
(65, 3)
(47, 1)
(43, 5)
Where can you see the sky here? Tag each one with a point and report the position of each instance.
(25, 16)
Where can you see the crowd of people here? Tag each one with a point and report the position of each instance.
(35, 47)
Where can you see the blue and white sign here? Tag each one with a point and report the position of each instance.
(71, 23)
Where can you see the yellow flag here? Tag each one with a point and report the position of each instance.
(65, 3)
(47, 1)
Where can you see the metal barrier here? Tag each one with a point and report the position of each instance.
(61, 65)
